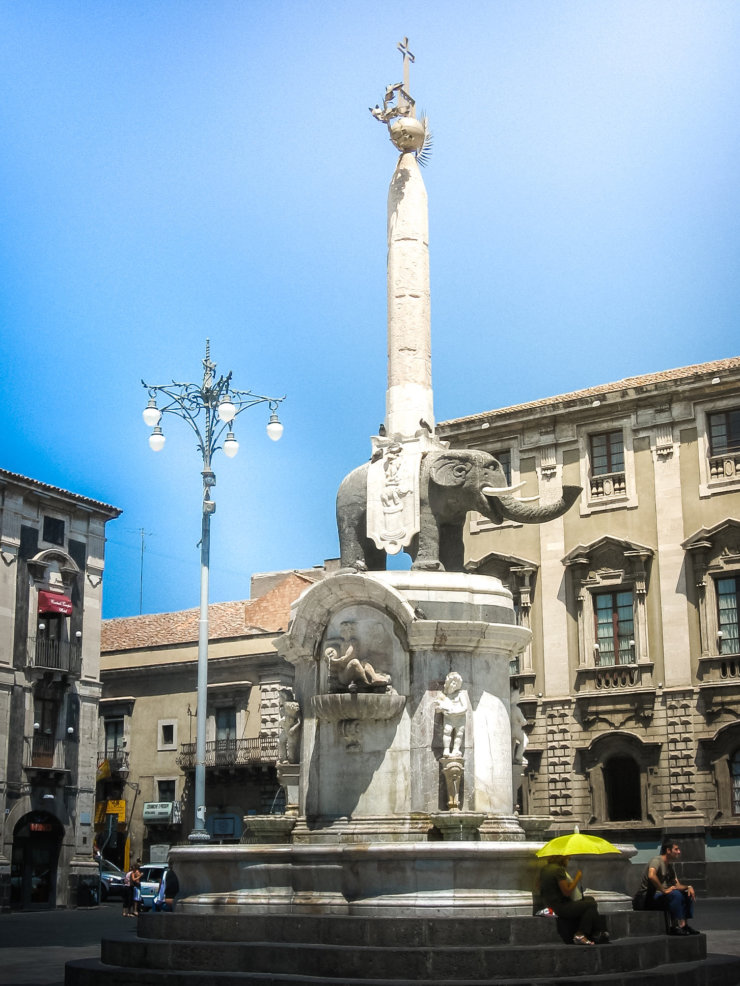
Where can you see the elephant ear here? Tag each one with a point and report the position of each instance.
(448, 470)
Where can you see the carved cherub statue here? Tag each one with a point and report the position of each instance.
(290, 731)
(453, 705)
(351, 672)
(519, 738)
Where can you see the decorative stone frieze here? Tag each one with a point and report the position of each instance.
(559, 758)
(681, 746)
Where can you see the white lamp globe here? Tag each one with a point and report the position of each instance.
(151, 414)
(226, 410)
(274, 428)
(231, 446)
(156, 440)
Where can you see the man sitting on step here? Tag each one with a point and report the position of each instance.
(660, 889)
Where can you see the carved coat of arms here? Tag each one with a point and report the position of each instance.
(393, 498)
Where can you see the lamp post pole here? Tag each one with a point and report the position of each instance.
(216, 404)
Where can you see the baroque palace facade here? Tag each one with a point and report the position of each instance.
(631, 684)
(52, 544)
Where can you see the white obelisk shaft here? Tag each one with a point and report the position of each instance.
(409, 399)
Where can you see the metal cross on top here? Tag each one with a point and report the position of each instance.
(403, 47)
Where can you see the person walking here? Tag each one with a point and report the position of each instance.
(136, 888)
(128, 896)
(563, 895)
(168, 890)
(660, 889)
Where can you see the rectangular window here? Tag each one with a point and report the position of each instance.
(113, 737)
(78, 553)
(724, 432)
(607, 453)
(226, 723)
(45, 719)
(53, 530)
(735, 773)
(614, 619)
(166, 790)
(504, 457)
(727, 597)
(167, 734)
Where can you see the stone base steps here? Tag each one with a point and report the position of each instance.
(322, 950)
(714, 971)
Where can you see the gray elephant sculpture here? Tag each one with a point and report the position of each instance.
(453, 482)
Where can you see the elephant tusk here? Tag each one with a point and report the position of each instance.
(498, 490)
(526, 499)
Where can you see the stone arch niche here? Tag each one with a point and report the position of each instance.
(600, 761)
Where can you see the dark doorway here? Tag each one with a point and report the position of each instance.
(622, 785)
(36, 842)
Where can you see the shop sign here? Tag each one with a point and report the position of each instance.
(116, 808)
(157, 812)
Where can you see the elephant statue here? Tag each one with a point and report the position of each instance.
(452, 483)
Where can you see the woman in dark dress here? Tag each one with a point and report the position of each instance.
(562, 894)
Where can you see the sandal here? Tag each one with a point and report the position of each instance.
(582, 940)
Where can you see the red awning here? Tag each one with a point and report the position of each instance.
(54, 602)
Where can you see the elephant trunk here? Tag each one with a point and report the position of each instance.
(528, 513)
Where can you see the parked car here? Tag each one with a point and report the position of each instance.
(151, 877)
(111, 880)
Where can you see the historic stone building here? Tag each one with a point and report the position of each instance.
(147, 720)
(631, 684)
(52, 544)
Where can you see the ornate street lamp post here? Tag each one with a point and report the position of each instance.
(210, 409)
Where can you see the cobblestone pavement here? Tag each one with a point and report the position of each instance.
(35, 946)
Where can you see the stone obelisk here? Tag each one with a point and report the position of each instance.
(409, 398)
(393, 477)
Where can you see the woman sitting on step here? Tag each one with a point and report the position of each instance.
(564, 896)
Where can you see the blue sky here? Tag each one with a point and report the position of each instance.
(171, 171)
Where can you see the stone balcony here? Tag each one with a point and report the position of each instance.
(608, 486)
(722, 467)
(617, 692)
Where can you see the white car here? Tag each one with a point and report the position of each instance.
(151, 877)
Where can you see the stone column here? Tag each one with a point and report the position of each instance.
(409, 398)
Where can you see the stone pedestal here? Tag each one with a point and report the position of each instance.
(288, 775)
(378, 754)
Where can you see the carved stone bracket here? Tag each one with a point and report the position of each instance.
(453, 770)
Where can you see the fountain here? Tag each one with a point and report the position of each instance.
(397, 757)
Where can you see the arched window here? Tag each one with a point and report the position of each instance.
(735, 781)
(622, 788)
(618, 766)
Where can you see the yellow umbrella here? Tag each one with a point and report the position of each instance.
(577, 844)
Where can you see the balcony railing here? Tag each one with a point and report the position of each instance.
(117, 759)
(42, 750)
(231, 752)
(608, 485)
(55, 655)
(725, 466)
